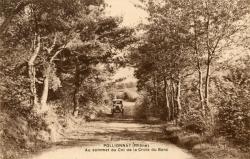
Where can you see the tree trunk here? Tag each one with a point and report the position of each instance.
(32, 77)
(208, 56)
(45, 93)
(201, 88)
(208, 109)
(197, 53)
(155, 93)
(76, 102)
(207, 84)
(172, 90)
(32, 70)
(76, 91)
(178, 96)
(166, 98)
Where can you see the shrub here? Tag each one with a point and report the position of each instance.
(142, 107)
(234, 109)
(194, 121)
(24, 130)
(234, 121)
(189, 141)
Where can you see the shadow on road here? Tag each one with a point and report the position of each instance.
(93, 135)
(111, 129)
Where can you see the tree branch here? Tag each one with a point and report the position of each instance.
(36, 52)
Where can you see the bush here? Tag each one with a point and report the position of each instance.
(194, 121)
(234, 121)
(189, 141)
(23, 130)
(234, 109)
(142, 107)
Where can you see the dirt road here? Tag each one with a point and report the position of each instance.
(114, 138)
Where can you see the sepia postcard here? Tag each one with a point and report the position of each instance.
(124, 79)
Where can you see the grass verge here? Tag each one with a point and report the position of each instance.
(204, 147)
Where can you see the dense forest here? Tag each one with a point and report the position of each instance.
(55, 57)
(191, 59)
(192, 63)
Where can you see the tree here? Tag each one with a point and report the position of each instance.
(211, 29)
(184, 37)
(166, 46)
(234, 110)
(38, 26)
